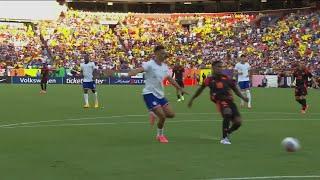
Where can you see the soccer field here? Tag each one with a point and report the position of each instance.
(51, 137)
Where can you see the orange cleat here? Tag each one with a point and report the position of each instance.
(162, 139)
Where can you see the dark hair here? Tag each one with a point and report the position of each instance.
(243, 55)
(158, 48)
(86, 56)
(214, 63)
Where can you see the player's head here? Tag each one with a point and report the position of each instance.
(86, 58)
(243, 58)
(217, 67)
(160, 53)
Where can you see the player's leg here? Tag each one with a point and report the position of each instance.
(241, 87)
(42, 88)
(158, 111)
(154, 105)
(236, 118)
(168, 111)
(226, 113)
(86, 88)
(86, 98)
(300, 95)
(304, 104)
(178, 95)
(45, 86)
(248, 94)
(182, 85)
(95, 93)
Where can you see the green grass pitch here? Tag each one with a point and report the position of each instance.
(51, 137)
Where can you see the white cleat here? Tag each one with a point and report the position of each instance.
(249, 106)
(225, 141)
(182, 98)
(179, 100)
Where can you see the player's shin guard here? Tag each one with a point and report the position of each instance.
(41, 86)
(86, 98)
(248, 93)
(225, 127)
(96, 98)
(45, 86)
(241, 101)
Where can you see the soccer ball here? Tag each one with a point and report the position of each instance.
(290, 144)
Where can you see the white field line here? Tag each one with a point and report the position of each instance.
(132, 115)
(270, 177)
(144, 122)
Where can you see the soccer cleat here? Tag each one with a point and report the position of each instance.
(86, 106)
(249, 106)
(225, 141)
(179, 100)
(304, 109)
(162, 139)
(96, 106)
(152, 119)
(182, 98)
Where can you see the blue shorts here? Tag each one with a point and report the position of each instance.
(153, 102)
(89, 85)
(244, 85)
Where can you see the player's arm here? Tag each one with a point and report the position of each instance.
(236, 90)
(173, 73)
(176, 85)
(196, 94)
(237, 70)
(136, 71)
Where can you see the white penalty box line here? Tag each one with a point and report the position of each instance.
(269, 177)
(31, 124)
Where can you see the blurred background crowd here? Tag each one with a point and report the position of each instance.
(123, 41)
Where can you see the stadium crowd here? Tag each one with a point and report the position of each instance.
(124, 41)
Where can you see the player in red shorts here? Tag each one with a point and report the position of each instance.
(301, 75)
(220, 93)
(44, 78)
